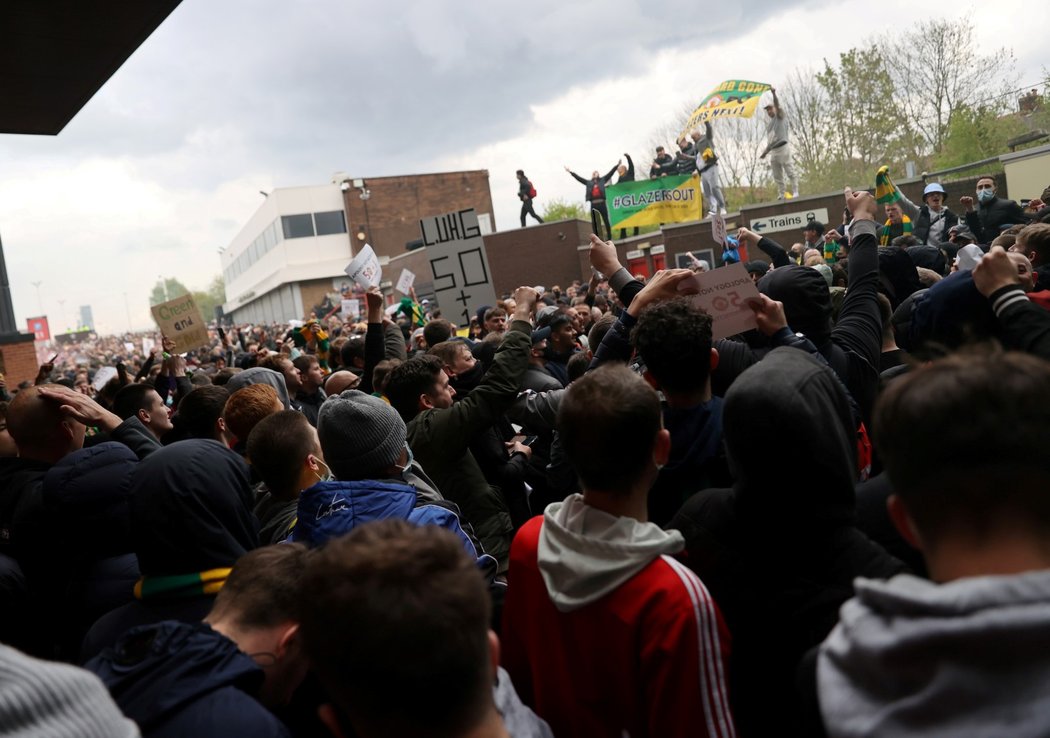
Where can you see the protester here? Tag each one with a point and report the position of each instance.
(439, 431)
(956, 655)
(778, 146)
(217, 678)
(311, 393)
(419, 622)
(604, 633)
(526, 193)
(595, 194)
(992, 213)
(664, 164)
(707, 164)
(932, 219)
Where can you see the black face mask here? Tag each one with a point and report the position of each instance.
(465, 382)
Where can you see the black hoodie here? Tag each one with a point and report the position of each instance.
(779, 551)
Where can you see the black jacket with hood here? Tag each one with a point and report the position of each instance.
(779, 551)
(191, 511)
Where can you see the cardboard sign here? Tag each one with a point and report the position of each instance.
(180, 320)
(350, 309)
(456, 251)
(723, 294)
(405, 282)
(718, 228)
(103, 375)
(365, 269)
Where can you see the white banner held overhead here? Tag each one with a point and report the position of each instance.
(405, 282)
(456, 252)
(718, 228)
(350, 309)
(365, 269)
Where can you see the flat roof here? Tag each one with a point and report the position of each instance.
(57, 54)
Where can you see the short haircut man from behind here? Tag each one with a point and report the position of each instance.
(392, 609)
(608, 421)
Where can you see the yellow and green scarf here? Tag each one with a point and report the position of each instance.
(886, 233)
(180, 586)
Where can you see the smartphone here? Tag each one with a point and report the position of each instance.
(222, 334)
(529, 440)
(598, 226)
(52, 359)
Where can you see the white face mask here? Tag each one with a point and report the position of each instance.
(327, 476)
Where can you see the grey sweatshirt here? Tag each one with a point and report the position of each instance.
(967, 658)
(42, 699)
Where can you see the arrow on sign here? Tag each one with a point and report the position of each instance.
(758, 226)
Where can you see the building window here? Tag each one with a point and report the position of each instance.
(297, 226)
(330, 222)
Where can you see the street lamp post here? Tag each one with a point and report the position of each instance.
(39, 300)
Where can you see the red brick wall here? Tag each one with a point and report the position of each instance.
(390, 217)
(18, 359)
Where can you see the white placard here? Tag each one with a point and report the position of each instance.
(129, 347)
(718, 228)
(365, 269)
(103, 375)
(405, 282)
(723, 294)
(147, 345)
(456, 252)
(350, 309)
(788, 221)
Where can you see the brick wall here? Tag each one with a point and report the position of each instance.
(18, 358)
(390, 216)
(544, 254)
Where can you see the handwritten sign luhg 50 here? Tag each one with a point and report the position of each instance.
(456, 252)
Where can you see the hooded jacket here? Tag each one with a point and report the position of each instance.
(261, 375)
(191, 512)
(604, 634)
(332, 509)
(179, 679)
(779, 550)
(966, 658)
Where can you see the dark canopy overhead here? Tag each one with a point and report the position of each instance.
(56, 54)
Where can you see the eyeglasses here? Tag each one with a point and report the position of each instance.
(598, 226)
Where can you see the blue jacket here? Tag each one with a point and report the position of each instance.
(181, 679)
(331, 509)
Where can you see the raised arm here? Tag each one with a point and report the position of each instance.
(575, 176)
(771, 248)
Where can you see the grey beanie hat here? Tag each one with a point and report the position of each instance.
(360, 435)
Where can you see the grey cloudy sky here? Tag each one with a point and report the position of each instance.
(230, 97)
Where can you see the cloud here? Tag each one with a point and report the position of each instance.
(164, 165)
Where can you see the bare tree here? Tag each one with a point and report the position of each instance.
(937, 69)
(811, 117)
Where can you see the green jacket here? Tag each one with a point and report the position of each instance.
(440, 440)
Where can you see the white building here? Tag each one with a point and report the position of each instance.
(288, 257)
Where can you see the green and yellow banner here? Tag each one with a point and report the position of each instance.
(654, 201)
(736, 98)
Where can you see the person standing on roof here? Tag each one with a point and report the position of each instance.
(778, 148)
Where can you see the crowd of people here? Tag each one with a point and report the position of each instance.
(695, 155)
(584, 517)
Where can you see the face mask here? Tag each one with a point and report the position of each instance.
(327, 476)
(985, 195)
(408, 463)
